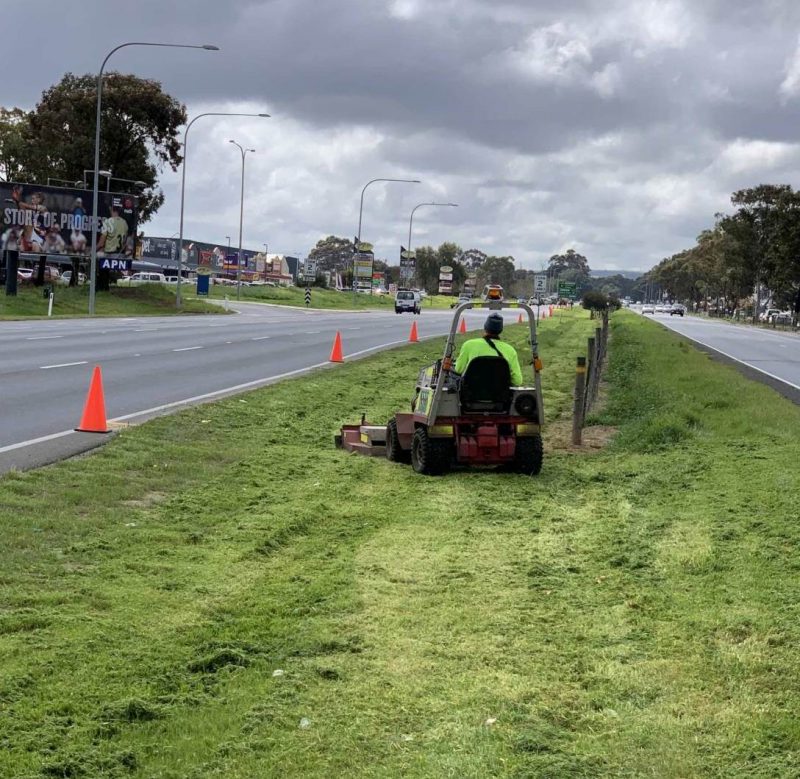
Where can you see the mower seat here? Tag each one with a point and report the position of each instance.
(486, 386)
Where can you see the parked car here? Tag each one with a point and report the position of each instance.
(142, 277)
(768, 314)
(648, 308)
(407, 300)
(66, 278)
(678, 309)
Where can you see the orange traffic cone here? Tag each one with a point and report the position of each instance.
(336, 352)
(94, 410)
(519, 319)
(462, 328)
(551, 311)
(412, 336)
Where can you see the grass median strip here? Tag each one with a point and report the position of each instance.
(144, 300)
(221, 592)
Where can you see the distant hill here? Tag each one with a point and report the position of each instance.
(628, 274)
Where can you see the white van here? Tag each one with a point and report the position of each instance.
(143, 277)
(407, 300)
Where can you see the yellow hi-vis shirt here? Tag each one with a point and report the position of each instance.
(477, 347)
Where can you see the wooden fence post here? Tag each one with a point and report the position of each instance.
(587, 397)
(578, 407)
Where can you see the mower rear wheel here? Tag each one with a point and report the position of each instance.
(394, 452)
(528, 455)
(430, 456)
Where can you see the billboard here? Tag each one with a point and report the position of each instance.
(164, 249)
(58, 220)
(408, 264)
(446, 280)
(362, 267)
(196, 254)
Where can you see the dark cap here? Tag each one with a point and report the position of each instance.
(493, 324)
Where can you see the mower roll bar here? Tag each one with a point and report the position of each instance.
(447, 359)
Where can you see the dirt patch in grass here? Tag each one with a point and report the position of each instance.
(146, 501)
(594, 438)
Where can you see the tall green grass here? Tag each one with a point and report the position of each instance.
(222, 593)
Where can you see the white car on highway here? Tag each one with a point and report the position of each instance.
(648, 308)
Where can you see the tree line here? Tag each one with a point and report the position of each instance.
(335, 254)
(757, 247)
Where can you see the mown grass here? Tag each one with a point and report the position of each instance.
(321, 298)
(630, 613)
(144, 300)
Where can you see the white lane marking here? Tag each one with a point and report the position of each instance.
(249, 384)
(42, 337)
(187, 349)
(736, 359)
(260, 338)
(208, 395)
(137, 355)
(32, 441)
(220, 325)
(62, 365)
(312, 332)
(146, 329)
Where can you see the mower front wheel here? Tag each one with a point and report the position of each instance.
(528, 455)
(394, 452)
(430, 456)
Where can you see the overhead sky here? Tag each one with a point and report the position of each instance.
(615, 127)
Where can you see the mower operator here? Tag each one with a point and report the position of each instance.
(490, 346)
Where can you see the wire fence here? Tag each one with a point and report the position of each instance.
(588, 372)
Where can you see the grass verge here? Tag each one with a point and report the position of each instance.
(221, 593)
(144, 300)
(321, 298)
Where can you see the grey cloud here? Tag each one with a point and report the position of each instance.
(629, 168)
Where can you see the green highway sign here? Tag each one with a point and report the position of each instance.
(567, 289)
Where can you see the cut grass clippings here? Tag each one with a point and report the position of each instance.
(222, 593)
(143, 300)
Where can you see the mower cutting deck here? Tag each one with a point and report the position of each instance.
(474, 419)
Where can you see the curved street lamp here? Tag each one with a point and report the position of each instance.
(241, 217)
(183, 187)
(419, 205)
(361, 206)
(361, 210)
(93, 269)
(411, 219)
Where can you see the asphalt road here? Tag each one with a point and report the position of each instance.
(773, 355)
(153, 364)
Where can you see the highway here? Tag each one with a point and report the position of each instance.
(773, 354)
(153, 364)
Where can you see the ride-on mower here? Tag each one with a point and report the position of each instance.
(474, 419)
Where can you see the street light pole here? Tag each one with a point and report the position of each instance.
(241, 219)
(183, 187)
(361, 211)
(411, 218)
(95, 191)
